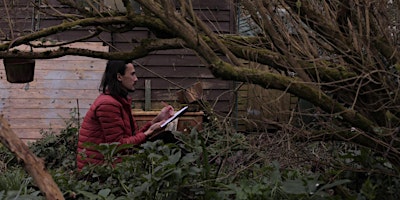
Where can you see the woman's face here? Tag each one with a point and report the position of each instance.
(128, 80)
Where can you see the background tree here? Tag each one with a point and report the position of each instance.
(341, 56)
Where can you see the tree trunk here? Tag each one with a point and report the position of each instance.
(32, 164)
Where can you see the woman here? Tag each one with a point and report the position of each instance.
(109, 118)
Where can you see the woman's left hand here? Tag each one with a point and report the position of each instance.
(154, 128)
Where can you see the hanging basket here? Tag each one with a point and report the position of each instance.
(19, 70)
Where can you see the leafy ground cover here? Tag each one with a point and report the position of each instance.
(207, 164)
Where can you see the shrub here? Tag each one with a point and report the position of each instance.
(58, 149)
(211, 164)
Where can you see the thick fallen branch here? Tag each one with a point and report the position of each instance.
(32, 164)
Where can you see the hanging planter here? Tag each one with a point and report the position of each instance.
(19, 70)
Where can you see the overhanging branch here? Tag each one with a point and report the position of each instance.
(140, 51)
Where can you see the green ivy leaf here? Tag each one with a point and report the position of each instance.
(104, 192)
(89, 195)
(177, 173)
(276, 174)
(173, 159)
(188, 158)
(294, 187)
(194, 170)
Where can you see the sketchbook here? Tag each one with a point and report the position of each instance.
(176, 115)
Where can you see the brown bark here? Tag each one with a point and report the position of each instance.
(32, 164)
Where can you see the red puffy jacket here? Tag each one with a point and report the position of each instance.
(107, 121)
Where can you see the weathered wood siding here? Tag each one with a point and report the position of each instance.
(256, 105)
(61, 84)
(17, 22)
(170, 70)
(59, 88)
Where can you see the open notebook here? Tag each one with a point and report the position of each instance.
(176, 115)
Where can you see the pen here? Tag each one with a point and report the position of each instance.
(170, 108)
(165, 104)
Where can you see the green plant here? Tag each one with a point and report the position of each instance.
(210, 164)
(154, 171)
(7, 159)
(372, 175)
(15, 184)
(12, 179)
(58, 149)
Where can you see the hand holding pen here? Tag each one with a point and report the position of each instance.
(166, 112)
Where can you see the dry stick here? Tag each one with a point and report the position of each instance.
(32, 164)
(9, 19)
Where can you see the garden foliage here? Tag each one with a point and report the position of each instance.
(207, 164)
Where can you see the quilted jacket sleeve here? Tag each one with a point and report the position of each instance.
(144, 128)
(115, 127)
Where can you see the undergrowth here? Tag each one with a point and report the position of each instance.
(206, 164)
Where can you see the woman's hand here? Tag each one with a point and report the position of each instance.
(154, 128)
(166, 112)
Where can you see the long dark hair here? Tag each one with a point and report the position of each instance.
(109, 82)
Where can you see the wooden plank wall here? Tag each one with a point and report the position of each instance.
(170, 70)
(257, 104)
(59, 88)
(18, 22)
(70, 78)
